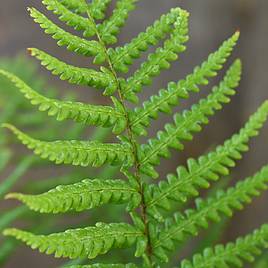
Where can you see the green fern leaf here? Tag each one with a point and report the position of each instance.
(224, 202)
(159, 60)
(73, 43)
(81, 196)
(89, 114)
(100, 265)
(70, 18)
(233, 254)
(208, 167)
(110, 27)
(167, 98)
(77, 153)
(98, 8)
(78, 6)
(88, 242)
(123, 56)
(188, 122)
(76, 75)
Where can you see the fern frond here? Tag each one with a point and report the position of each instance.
(244, 249)
(123, 56)
(158, 60)
(206, 168)
(88, 242)
(98, 8)
(78, 6)
(188, 122)
(105, 116)
(170, 97)
(73, 43)
(77, 75)
(81, 196)
(224, 202)
(77, 153)
(70, 18)
(100, 265)
(110, 27)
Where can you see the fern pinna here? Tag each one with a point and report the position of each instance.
(148, 203)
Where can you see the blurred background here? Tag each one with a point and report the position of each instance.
(211, 22)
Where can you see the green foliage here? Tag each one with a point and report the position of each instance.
(80, 196)
(88, 242)
(191, 220)
(73, 43)
(206, 168)
(82, 113)
(170, 97)
(77, 153)
(76, 75)
(158, 60)
(188, 122)
(152, 232)
(232, 255)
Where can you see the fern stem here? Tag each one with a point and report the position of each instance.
(133, 142)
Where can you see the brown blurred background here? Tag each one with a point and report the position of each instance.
(212, 21)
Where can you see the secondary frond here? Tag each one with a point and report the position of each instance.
(105, 116)
(170, 97)
(158, 60)
(189, 222)
(110, 27)
(78, 6)
(73, 43)
(84, 195)
(206, 168)
(88, 242)
(77, 153)
(101, 265)
(123, 56)
(70, 18)
(77, 75)
(188, 122)
(244, 249)
(97, 8)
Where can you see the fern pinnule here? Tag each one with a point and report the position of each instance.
(88, 242)
(72, 19)
(100, 265)
(78, 153)
(78, 6)
(167, 98)
(73, 43)
(86, 194)
(159, 60)
(97, 7)
(124, 56)
(188, 122)
(188, 222)
(76, 75)
(210, 167)
(110, 27)
(234, 254)
(97, 115)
